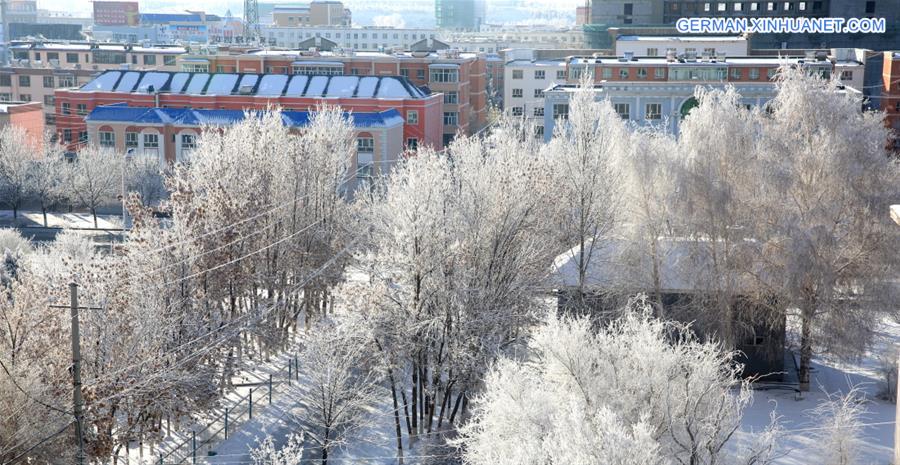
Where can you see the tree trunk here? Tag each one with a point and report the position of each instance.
(415, 400)
(456, 406)
(94, 213)
(44, 212)
(396, 417)
(807, 312)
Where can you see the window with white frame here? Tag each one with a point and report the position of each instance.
(560, 74)
(659, 72)
(131, 139)
(451, 97)
(539, 74)
(151, 143)
(538, 93)
(188, 142)
(517, 111)
(652, 52)
(653, 111)
(538, 111)
(642, 73)
(561, 110)
(846, 75)
(412, 117)
(412, 143)
(518, 74)
(451, 118)
(365, 144)
(623, 73)
(517, 93)
(444, 75)
(107, 138)
(623, 109)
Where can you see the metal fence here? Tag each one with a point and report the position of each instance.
(199, 443)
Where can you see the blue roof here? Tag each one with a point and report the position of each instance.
(121, 113)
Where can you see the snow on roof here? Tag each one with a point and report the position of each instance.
(318, 63)
(128, 81)
(221, 84)
(444, 65)
(105, 81)
(267, 85)
(272, 85)
(634, 38)
(155, 80)
(198, 82)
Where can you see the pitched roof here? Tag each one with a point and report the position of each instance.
(264, 85)
(121, 113)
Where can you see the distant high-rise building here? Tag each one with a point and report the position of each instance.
(467, 15)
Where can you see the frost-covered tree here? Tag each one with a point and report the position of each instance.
(829, 243)
(636, 391)
(144, 176)
(839, 431)
(585, 155)
(95, 178)
(266, 453)
(48, 181)
(338, 361)
(16, 159)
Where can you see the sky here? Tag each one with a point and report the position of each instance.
(409, 13)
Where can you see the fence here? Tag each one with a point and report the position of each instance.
(199, 443)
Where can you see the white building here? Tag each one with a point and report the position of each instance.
(850, 66)
(494, 41)
(526, 79)
(650, 46)
(364, 39)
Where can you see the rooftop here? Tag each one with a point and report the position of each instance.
(121, 113)
(259, 85)
(635, 38)
(738, 61)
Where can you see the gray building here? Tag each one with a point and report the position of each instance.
(459, 15)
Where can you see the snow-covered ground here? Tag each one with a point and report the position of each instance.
(831, 377)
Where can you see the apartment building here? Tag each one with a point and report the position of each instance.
(361, 39)
(39, 85)
(890, 95)
(459, 77)
(526, 79)
(93, 56)
(492, 41)
(317, 13)
(422, 112)
(659, 46)
(170, 134)
(26, 115)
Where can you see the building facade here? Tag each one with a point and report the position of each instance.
(526, 80)
(26, 115)
(319, 13)
(660, 92)
(460, 78)
(465, 15)
(170, 134)
(890, 95)
(422, 112)
(362, 39)
(659, 46)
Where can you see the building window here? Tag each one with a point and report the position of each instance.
(48, 82)
(168, 60)
(72, 58)
(653, 111)
(754, 6)
(659, 73)
(444, 75)
(66, 81)
(738, 6)
(151, 141)
(5, 97)
(736, 73)
(131, 139)
(770, 6)
(451, 97)
(623, 109)
(846, 75)
(150, 60)
(25, 97)
(420, 73)
(82, 137)
(561, 74)
(770, 73)
(81, 109)
(539, 74)
(107, 139)
(49, 118)
(5, 80)
(642, 73)
(365, 144)
(561, 110)
(606, 73)
(517, 93)
(538, 111)
(538, 93)
(405, 73)
(538, 132)
(67, 135)
(412, 143)
(801, 6)
(788, 6)
(623, 73)
(517, 111)
(754, 73)
(450, 118)
(720, 7)
(412, 117)
(49, 100)
(518, 74)
(188, 141)
(652, 52)
(706, 7)
(24, 81)
(65, 109)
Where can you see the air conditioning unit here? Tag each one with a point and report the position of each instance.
(245, 90)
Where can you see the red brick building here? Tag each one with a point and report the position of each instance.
(422, 112)
(26, 115)
(890, 94)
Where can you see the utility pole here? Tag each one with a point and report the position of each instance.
(77, 398)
